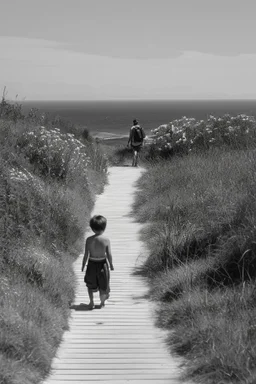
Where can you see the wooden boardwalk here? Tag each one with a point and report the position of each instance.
(117, 344)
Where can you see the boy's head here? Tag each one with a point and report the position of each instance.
(98, 223)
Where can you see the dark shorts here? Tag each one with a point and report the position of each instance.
(137, 147)
(97, 276)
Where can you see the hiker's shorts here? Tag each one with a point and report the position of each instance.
(137, 147)
(97, 276)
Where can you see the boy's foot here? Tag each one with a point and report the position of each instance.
(91, 306)
(102, 304)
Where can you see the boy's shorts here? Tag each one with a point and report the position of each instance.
(97, 276)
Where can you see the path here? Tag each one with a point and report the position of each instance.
(117, 344)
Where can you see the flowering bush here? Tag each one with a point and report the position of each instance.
(60, 155)
(187, 134)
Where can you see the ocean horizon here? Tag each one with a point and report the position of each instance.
(114, 117)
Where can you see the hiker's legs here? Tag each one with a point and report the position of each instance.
(133, 159)
(136, 155)
(90, 293)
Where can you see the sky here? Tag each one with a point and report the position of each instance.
(120, 49)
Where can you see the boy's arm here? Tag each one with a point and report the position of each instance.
(86, 254)
(109, 256)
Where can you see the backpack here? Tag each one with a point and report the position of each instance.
(138, 134)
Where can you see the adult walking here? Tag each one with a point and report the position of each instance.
(136, 139)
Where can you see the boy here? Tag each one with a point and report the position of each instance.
(97, 248)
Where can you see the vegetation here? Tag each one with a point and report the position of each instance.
(200, 216)
(190, 135)
(198, 203)
(48, 182)
(187, 135)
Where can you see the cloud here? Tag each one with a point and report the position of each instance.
(148, 51)
(42, 69)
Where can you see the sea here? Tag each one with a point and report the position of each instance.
(114, 118)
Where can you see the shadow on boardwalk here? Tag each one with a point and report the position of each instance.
(84, 307)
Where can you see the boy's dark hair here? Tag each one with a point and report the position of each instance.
(98, 223)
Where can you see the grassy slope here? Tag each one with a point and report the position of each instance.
(200, 212)
(43, 215)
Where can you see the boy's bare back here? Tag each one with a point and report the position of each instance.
(98, 247)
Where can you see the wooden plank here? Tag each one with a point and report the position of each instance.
(121, 381)
(62, 378)
(112, 347)
(109, 332)
(107, 352)
(111, 360)
(117, 365)
(100, 354)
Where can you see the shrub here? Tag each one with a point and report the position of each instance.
(184, 135)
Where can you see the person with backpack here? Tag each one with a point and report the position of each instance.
(136, 139)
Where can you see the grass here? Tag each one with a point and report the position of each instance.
(200, 218)
(49, 179)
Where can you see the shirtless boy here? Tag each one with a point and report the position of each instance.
(98, 250)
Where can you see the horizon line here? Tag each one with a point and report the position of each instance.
(134, 99)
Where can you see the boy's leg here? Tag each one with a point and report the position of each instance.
(103, 298)
(90, 293)
(104, 284)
